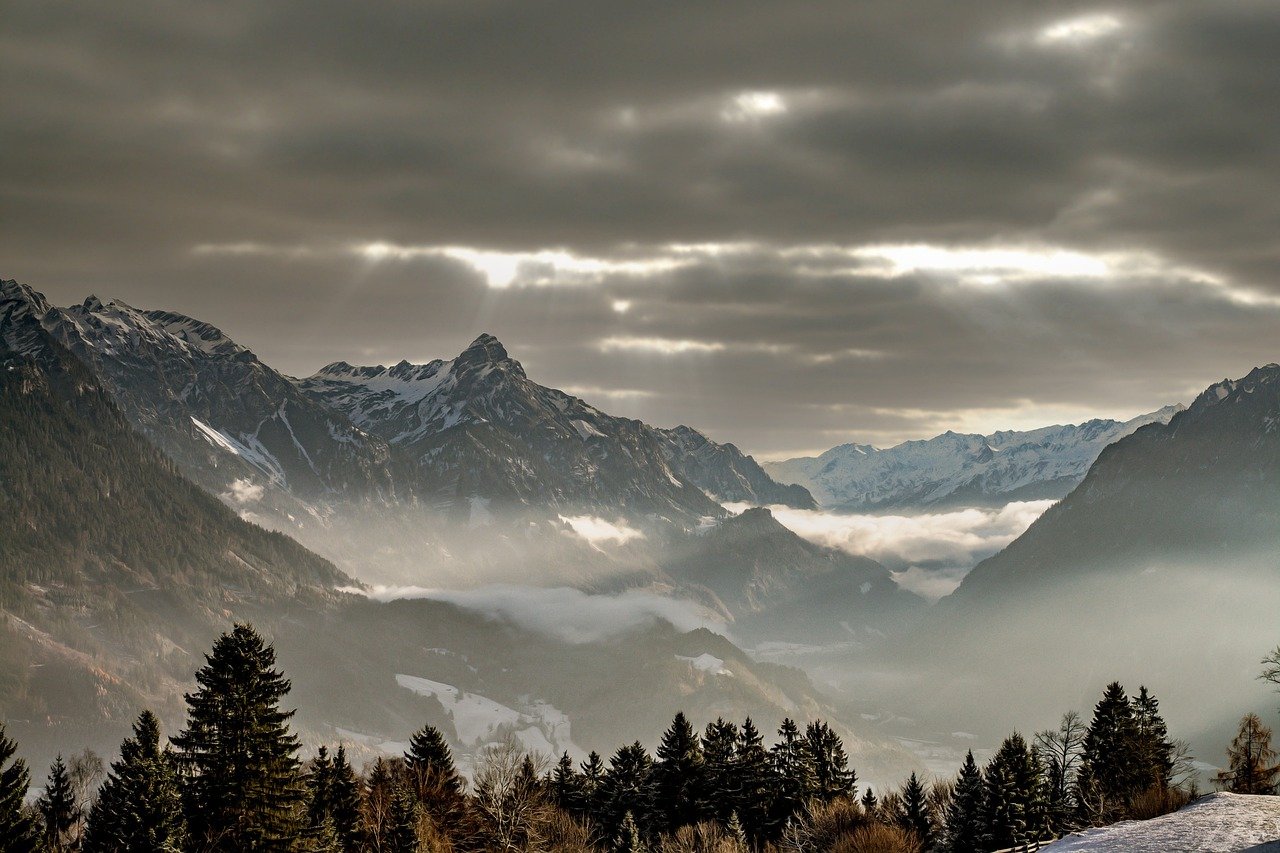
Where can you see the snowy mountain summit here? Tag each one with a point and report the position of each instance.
(957, 468)
(480, 426)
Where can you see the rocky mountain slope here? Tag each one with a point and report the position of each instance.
(780, 587)
(1171, 536)
(956, 468)
(478, 426)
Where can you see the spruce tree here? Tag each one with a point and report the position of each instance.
(139, 807)
(756, 782)
(243, 789)
(593, 790)
(1109, 765)
(1154, 750)
(565, 786)
(18, 830)
(964, 825)
(627, 789)
(678, 781)
(829, 766)
(793, 775)
(430, 759)
(915, 816)
(405, 815)
(344, 802)
(723, 783)
(870, 805)
(1251, 760)
(60, 810)
(1010, 784)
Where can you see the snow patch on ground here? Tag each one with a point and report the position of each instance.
(479, 720)
(706, 662)
(1218, 823)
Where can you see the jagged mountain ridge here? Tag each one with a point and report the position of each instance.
(484, 428)
(212, 405)
(958, 468)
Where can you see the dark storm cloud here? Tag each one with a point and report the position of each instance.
(236, 160)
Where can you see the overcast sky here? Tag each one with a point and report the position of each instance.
(790, 224)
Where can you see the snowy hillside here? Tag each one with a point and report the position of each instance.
(1218, 823)
(957, 468)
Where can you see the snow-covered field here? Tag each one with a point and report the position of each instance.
(1218, 823)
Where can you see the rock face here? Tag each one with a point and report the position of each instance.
(457, 466)
(726, 472)
(955, 468)
(212, 405)
(476, 425)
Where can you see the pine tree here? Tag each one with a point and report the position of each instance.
(344, 802)
(723, 783)
(829, 766)
(1109, 775)
(430, 759)
(139, 807)
(243, 788)
(60, 810)
(18, 830)
(756, 782)
(678, 777)
(914, 816)
(793, 775)
(627, 789)
(565, 786)
(1010, 785)
(870, 804)
(964, 824)
(1251, 760)
(405, 815)
(593, 790)
(1154, 750)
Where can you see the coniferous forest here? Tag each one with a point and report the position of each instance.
(233, 780)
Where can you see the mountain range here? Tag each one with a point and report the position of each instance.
(958, 469)
(115, 570)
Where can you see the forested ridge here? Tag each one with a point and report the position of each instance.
(232, 780)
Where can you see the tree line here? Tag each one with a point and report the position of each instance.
(232, 780)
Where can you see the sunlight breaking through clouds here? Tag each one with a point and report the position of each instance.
(958, 265)
(1080, 30)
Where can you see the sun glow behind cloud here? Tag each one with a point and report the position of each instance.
(955, 265)
(1080, 30)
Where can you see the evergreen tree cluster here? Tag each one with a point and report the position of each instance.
(232, 780)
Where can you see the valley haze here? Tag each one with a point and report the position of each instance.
(769, 427)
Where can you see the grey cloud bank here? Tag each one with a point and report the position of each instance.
(788, 224)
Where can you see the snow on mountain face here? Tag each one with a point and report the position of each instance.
(208, 402)
(959, 468)
(726, 472)
(484, 428)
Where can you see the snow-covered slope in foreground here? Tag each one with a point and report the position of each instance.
(1217, 823)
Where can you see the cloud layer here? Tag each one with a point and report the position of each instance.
(929, 552)
(567, 614)
(791, 225)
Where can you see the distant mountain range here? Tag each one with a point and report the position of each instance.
(116, 571)
(955, 469)
(374, 466)
(1160, 567)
